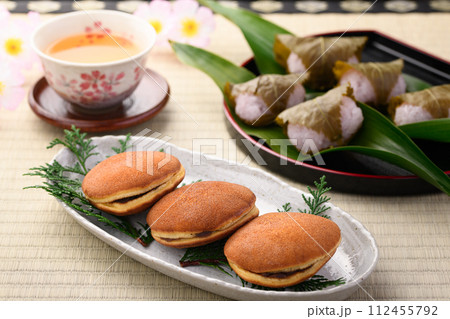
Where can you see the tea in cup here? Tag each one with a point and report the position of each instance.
(94, 59)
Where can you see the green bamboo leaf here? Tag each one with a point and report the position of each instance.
(414, 84)
(220, 70)
(380, 138)
(435, 130)
(259, 33)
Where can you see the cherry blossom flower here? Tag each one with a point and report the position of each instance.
(62, 81)
(11, 90)
(183, 20)
(15, 40)
(193, 24)
(92, 79)
(159, 14)
(4, 14)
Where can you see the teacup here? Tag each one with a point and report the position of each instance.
(94, 86)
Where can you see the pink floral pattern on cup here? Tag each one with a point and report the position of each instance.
(91, 87)
(95, 86)
(98, 26)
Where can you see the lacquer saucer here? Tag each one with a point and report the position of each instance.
(147, 100)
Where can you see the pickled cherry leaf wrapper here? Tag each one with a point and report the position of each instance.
(435, 100)
(274, 89)
(321, 114)
(319, 54)
(382, 76)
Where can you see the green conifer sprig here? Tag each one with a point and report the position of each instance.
(193, 182)
(285, 208)
(78, 144)
(68, 189)
(316, 203)
(123, 145)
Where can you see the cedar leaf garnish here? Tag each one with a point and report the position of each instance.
(123, 145)
(316, 202)
(78, 144)
(193, 182)
(285, 208)
(59, 184)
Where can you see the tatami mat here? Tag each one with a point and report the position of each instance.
(45, 255)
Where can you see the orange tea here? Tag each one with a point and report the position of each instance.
(92, 48)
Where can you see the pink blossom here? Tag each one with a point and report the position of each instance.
(183, 21)
(15, 39)
(159, 14)
(11, 90)
(34, 19)
(92, 86)
(91, 80)
(62, 81)
(193, 24)
(137, 73)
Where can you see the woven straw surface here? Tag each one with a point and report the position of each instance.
(45, 255)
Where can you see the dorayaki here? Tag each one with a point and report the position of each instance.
(200, 213)
(282, 249)
(128, 183)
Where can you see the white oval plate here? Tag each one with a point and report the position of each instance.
(354, 260)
